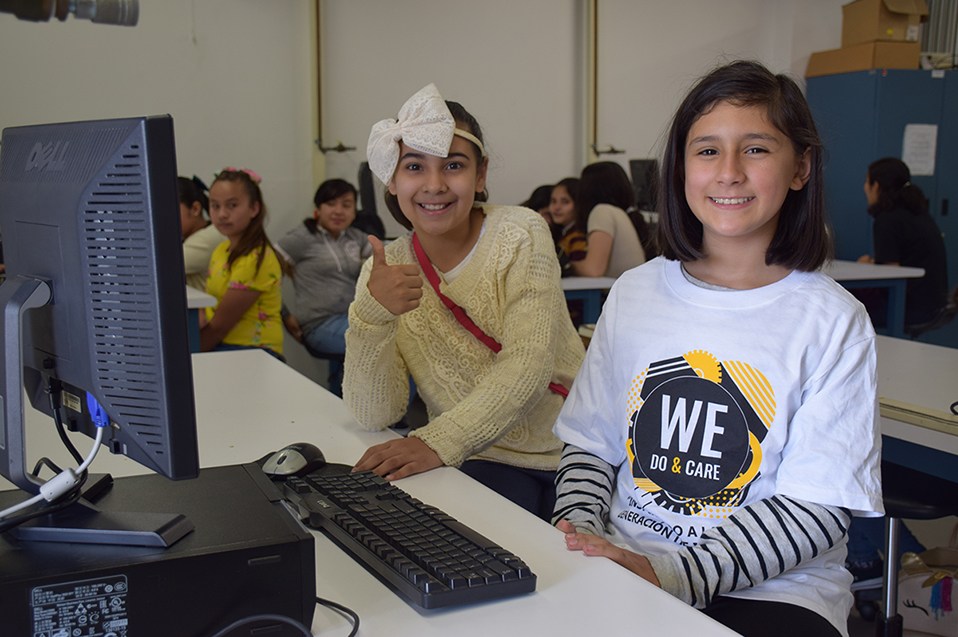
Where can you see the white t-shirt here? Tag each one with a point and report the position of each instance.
(197, 250)
(709, 400)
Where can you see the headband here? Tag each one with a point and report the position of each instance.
(249, 173)
(425, 124)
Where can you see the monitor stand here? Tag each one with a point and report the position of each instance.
(80, 522)
(84, 523)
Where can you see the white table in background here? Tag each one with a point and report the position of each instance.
(587, 289)
(851, 274)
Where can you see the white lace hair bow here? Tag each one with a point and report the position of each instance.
(425, 124)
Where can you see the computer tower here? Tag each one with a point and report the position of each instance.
(248, 555)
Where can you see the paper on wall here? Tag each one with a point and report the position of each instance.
(918, 147)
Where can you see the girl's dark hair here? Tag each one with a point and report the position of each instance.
(192, 190)
(464, 121)
(606, 182)
(539, 198)
(327, 191)
(255, 234)
(801, 240)
(895, 189)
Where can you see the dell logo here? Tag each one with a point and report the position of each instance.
(50, 157)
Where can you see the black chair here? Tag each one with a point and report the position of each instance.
(328, 356)
(944, 316)
(908, 495)
(367, 218)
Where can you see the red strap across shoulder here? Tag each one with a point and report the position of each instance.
(460, 313)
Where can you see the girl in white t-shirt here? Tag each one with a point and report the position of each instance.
(723, 427)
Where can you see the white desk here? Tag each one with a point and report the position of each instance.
(851, 274)
(576, 595)
(587, 289)
(926, 376)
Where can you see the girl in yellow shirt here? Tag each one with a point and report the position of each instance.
(245, 272)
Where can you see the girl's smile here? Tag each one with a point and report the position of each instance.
(433, 209)
(732, 202)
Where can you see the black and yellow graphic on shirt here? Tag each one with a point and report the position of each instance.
(696, 428)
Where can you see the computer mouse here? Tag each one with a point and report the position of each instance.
(296, 459)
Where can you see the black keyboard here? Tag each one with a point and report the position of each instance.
(423, 553)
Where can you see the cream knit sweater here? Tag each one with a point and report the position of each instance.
(481, 405)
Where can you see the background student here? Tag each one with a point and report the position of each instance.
(723, 426)
(605, 193)
(246, 275)
(200, 237)
(493, 392)
(539, 201)
(905, 234)
(571, 241)
(326, 254)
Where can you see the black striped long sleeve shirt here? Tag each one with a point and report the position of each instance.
(756, 543)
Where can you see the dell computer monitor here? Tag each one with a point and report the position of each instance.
(94, 298)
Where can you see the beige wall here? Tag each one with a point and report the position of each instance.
(237, 76)
(234, 74)
(651, 52)
(519, 66)
(513, 64)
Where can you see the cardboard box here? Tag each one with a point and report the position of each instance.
(881, 20)
(873, 55)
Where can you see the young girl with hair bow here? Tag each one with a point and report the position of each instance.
(469, 304)
(245, 272)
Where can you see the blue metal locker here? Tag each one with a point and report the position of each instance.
(862, 117)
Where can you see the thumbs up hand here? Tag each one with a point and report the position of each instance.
(398, 288)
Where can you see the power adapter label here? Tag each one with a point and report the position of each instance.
(85, 608)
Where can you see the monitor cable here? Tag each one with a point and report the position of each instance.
(265, 617)
(348, 612)
(71, 496)
(54, 391)
(351, 614)
(67, 482)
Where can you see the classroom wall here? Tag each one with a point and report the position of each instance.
(650, 53)
(520, 67)
(239, 76)
(234, 74)
(515, 65)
